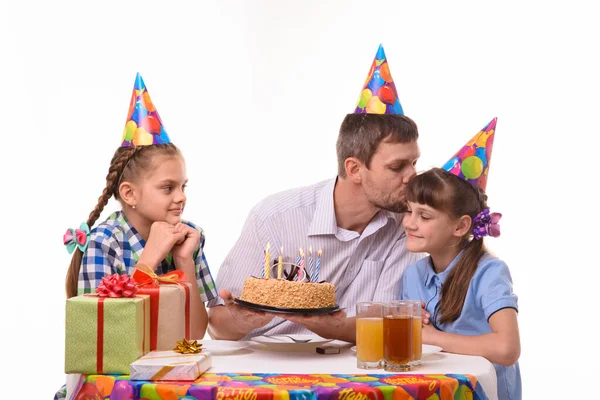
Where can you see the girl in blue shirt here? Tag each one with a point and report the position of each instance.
(466, 290)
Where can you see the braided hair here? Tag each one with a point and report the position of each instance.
(127, 164)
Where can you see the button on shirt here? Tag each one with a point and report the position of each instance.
(490, 290)
(115, 247)
(362, 267)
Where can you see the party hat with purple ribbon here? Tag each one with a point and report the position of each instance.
(472, 161)
(379, 95)
(144, 126)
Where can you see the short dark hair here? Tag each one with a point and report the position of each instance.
(360, 135)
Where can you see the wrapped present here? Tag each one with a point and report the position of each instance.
(169, 305)
(106, 334)
(170, 366)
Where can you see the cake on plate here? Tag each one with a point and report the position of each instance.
(282, 293)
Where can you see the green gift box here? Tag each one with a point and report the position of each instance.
(105, 335)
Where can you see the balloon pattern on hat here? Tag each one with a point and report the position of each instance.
(379, 95)
(144, 126)
(472, 161)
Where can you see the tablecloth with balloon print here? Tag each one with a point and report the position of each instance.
(231, 386)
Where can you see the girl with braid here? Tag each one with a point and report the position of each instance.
(467, 291)
(147, 175)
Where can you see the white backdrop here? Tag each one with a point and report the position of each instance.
(253, 92)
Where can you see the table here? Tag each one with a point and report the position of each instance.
(256, 359)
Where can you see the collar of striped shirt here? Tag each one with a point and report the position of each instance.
(324, 222)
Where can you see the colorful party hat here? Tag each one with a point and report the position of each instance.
(472, 162)
(144, 126)
(379, 95)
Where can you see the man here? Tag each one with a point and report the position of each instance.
(354, 218)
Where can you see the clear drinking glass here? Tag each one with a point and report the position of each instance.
(417, 333)
(369, 335)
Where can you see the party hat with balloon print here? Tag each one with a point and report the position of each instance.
(472, 161)
(144, 126)
(379, 95)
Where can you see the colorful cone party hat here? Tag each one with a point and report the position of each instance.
(378, 95)
(144, 126)
(472, 162)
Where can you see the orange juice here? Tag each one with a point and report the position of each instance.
(369, 339)
(417, 338)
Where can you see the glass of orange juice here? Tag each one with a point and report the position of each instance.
(369, 335)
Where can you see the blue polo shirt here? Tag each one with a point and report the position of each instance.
(490, 290)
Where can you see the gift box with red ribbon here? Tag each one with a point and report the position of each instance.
(169, 305)
(107, 331)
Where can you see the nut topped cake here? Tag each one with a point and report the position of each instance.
(288, 293)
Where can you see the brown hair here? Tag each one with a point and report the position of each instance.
(360, 135)
(127, 164)
(448, 193)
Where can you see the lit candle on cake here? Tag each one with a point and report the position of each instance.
(267, 261)
(301, 265)
(310, 263)
(280, 263)
(318, 265)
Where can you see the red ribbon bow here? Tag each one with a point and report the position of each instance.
(116, 285)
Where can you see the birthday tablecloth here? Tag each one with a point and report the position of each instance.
(231, 386)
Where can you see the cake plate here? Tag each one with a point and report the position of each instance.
(294, 311)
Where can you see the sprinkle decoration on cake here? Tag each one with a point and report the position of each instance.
(288, 294)
(289, 285)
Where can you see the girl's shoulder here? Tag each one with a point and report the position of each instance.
(419, 266)
(192, 225)
(491, 267)
(490, 261)
(108, 228)
(199, 229)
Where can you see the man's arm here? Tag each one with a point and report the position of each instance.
(335, 326)
(220, 326)
(227, 320)
(232, 322)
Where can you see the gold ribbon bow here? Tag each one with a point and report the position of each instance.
(188, 347)
(143, 275)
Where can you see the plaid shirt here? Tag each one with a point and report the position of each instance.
(115, 246)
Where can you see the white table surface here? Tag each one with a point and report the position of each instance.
(257, 358)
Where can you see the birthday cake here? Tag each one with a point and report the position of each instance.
(288, 293)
